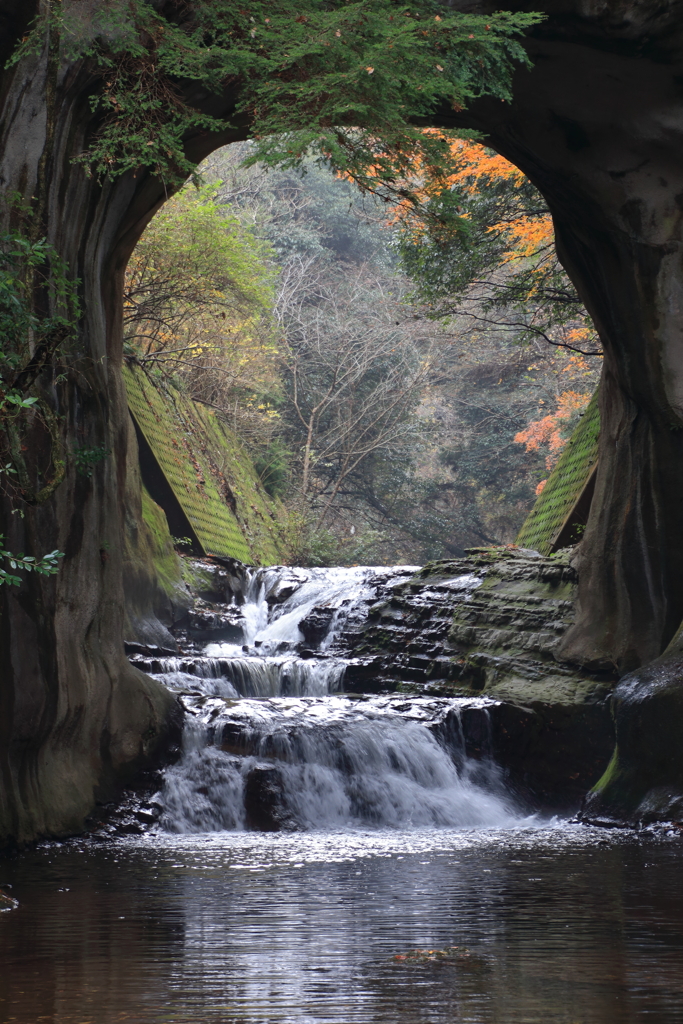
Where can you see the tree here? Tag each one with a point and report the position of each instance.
(479, 247)
(354, 380)
(197, 304)
(480, 244)
(554, 429)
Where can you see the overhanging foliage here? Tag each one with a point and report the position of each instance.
(351, 81)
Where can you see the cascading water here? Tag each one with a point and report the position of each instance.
(327, 763)
(271, 742)
(277, 605)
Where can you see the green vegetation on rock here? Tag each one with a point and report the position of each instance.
(162, 552)
(305, 71)
(208, 472)
(544, 524)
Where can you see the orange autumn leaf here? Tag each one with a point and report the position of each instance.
(546, 432)
(473, 167)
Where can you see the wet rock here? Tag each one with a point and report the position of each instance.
(216, 579)
(365, 675)
(282, 593)
(136, 812)
(131, 828)
(489, 624)
(148, 815)
(236, 739)
(264, 800)
(209, 622)
(149, 650)
(316, 625)
(643, 782)
(283, 585)
(7, 902)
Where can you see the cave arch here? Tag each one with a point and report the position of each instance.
(597, 125)
(594, 127)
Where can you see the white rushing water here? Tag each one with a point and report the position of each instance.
(330, 762)
(270, 742)
(276, 601)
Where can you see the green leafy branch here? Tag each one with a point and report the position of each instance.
(87, 458)
(48, 565)
(27, 266)
(353, 82)
(39, 314)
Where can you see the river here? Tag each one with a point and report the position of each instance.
(317, 857)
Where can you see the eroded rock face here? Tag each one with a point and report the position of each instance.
(76, 719)
(597, 125)
(644, 780)
(491, 625)
(491, 622)
(155, 595)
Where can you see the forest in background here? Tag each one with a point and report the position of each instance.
(404, 378)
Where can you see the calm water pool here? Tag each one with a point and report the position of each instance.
(562, 924)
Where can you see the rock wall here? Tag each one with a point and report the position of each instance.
(551, 726)
(154, 592)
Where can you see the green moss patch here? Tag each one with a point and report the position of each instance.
(163, 554)
(208, 471)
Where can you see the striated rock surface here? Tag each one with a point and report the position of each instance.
(489, 625)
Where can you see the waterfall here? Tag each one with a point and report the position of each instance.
(272, 742)
(328, 763)
(248, 676)
(282, 610)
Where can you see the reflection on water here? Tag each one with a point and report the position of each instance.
(564, 924)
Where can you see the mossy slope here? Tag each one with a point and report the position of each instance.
(544, 524)
(209, 473)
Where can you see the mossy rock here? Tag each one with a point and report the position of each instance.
(154, 592)
(200, 468)
(643, 782)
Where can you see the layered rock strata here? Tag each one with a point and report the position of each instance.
(484, 627)
(551, 725)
